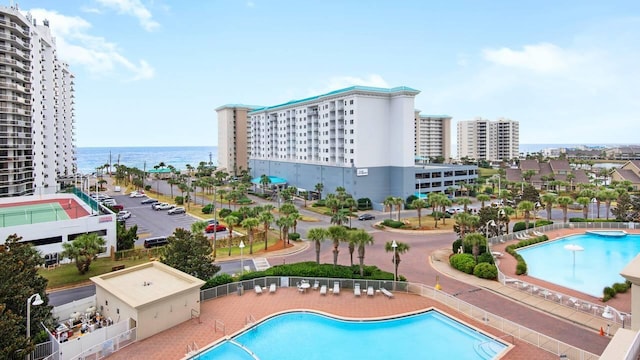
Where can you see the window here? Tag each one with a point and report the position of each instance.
(351, 121)
(351, 111)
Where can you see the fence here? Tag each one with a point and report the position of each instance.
(622, 320)
(139, 253)
(508, 327)
(109, 346)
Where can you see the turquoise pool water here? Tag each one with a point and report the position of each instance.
(303, 335)
(597, 266)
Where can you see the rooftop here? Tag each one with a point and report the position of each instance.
(146, 283)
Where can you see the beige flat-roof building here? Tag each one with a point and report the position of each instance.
(153, 297)
(433, 136)
(233, 138)
(482, 139)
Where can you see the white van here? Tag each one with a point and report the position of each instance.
(117, 189)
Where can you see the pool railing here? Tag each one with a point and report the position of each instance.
(556, 296)
(518, 331)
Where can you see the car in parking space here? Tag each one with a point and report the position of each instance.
(155, 241)
(176, 210)
(156, 204)
(366, 217)
(136, 194)
(454, 210)
(109, 202)
(215, 228)
(124, 214)
(148, 201)
(164, 206)
(212, 221)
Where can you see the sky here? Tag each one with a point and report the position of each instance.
(152, 72)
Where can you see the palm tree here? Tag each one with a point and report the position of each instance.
(264, 181)
(584, 201)
(444, 203)
(570, 178)
(400, 248)
(337, 234)
(465, 202)
(507, 212)
(465, 222)
(564, 202)
(266, 218)
(609, 196)
(388, 203)
(340, 217)
(83, 250)
(419, 204)
(319, 187)
(332, 203)
(549, 199)
(350, 203)
(361, 239)
(231, 221)
(317, 235)
(398, 202)
(250, 224)
(526, 207)
(483, 198)
(475, 240)
(435, 199)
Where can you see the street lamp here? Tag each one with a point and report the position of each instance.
(486, 229)
(394, 245)
(608, 313)
(34, 299)
(241, 246)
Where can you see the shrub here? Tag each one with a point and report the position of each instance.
(456, 245)
(364, 204)
(294, 236)
(179, 200)
(319, 203)
(244, 201)
(147, 187)
(207, 209)
(440, 214)
(225, 212)
(486, 271)
(393, 223)
(521, 267)
(485, 258)
(609, 293)
(463, 262)
(408, 201)
(217, 281)
(521, 225)
(543, 223)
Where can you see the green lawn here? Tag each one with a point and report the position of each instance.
(67, 274)
(482, 172)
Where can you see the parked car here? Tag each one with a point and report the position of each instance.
(176, 210)
(109, 202)
(215, 228)
(454, 210)
(136, 194)
(366, 217)
(156, 204)
(164, 206)
(149, 201)
(117, 207)
(124, 214)
(212, 221)
(155, 241)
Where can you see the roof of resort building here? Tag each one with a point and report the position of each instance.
(629, 175)
(239, 106)
(559, 165)
(146, 283)
(529, 165)
(351, 89)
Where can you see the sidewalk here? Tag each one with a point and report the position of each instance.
(439, 261)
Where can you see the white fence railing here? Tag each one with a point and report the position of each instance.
(508, 327)
(620, 319)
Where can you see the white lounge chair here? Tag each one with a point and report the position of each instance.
(496, 254)
(323, 290)
(537, 233)
(258, 289)
(356, 289)
(386, 293)
(370, 291)
(316, 285)
(336, 288)
(272, 288)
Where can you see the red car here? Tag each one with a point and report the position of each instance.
(215, 228)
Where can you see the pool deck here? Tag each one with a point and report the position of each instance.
(233, 310)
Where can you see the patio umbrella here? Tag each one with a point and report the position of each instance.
(573, 248)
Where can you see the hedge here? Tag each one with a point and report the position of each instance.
(486, 271)
(521, 266)
(463, 262)
(393, 223)
(312, 269)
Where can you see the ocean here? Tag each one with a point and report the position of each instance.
(90, 158)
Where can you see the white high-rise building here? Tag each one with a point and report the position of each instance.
(433, 136)
(233, 147)
(36, 108)
(482, 139)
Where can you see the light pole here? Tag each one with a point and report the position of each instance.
(241, 246)
(34, 299)
(394, 245)
(486, 231)
(608, 314)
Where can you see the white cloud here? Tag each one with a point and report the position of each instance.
(543, 58)
(91, 10)
(340, 82)
(97, 55)
(134, 8)
(251, 4)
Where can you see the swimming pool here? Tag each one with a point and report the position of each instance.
(598, 265)
(305, 335)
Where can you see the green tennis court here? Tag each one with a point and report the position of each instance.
(32, 214)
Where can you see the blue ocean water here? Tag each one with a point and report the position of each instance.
(90, 158)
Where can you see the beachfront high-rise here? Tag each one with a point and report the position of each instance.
(233, 142)
(359, 138)
(36, 108)
(433, 136)
(482, 139)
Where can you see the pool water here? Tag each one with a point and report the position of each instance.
(303, 335)
(597, 266)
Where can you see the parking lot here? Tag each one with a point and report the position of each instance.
(152, 223)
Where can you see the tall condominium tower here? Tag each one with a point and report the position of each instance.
(483, 139)
(233, 139)
(433, 136)
(36, 108)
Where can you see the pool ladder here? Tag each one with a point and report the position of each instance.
(192, 349)
(249, 320)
